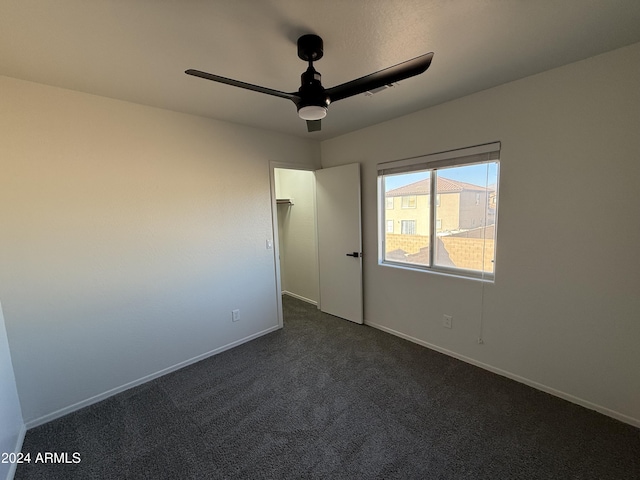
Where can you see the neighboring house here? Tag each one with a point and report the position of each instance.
(460, 206)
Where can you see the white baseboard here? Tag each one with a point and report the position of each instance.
(16, 450)
(109, 393)
(300, 297)
(538, 386)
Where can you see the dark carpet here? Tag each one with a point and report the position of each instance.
(326, 398)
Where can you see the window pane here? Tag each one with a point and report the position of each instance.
(410, 242)
(465, 225)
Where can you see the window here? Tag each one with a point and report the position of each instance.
(389, 203)
(409, 201)
(389, 226)
(461, 217)
(408, 227)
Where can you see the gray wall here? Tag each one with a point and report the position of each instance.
(129, 235)
(11, 425)
(564, 311)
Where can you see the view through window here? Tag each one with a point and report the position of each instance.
(460, 217)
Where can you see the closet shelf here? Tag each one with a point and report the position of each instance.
(284, 201)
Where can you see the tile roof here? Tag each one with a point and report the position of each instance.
(423, 187)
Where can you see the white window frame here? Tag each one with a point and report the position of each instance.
(486, 153)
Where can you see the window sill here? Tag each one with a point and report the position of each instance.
(444, 273)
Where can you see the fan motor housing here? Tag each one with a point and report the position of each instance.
(311, 90)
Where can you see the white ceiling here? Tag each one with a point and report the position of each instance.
(137, 50)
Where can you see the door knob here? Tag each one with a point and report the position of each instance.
(354, 254)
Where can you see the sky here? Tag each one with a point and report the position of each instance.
(474, 174)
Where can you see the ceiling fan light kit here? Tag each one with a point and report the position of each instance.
(312, 99)
(312, 112)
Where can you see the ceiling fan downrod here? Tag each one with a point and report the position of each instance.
(314, 101)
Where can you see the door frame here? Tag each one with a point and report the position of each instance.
(274, 226)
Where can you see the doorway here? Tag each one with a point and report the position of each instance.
(296, 233)
(317, 229)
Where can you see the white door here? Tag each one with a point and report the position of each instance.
(340, 241)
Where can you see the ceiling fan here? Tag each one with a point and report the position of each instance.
(312, 99)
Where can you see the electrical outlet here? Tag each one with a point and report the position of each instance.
(235, 315)
(447, 321)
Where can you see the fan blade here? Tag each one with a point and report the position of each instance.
(314, 125)
(378, 79)
(237, 83)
